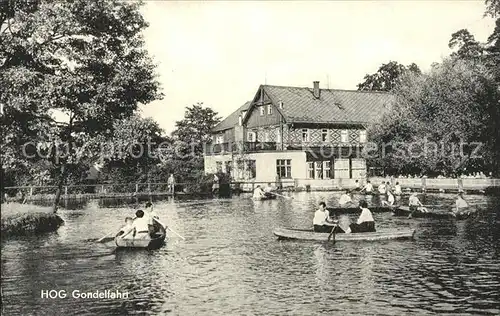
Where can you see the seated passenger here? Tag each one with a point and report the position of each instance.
(345, 199)
(141, 226)
(365, 223)
(129, 227)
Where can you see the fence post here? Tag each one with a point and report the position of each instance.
(136, 187)
(66, 190)
(102, 189)
(31, 191)
(424, 184)
(149, 187)
(253, 186)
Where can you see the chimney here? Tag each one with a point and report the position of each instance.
(316, 89)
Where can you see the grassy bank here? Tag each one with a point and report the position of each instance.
(26, 219)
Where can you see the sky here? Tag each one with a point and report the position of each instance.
(219, 52)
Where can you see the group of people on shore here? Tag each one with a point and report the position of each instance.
(142, 226)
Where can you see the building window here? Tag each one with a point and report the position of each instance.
(305, 135)
(324, 135)
(284, 168)
(327, 174)
(319, 169)
(269, 109)
(219, 139)
(310, 169)
(362, 136)
(251, 136)
(318, 172)
(219, 166)
(344, 136)
(281, 105)
(261, 108)
(251, 170)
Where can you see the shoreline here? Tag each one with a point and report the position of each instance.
(27, 219)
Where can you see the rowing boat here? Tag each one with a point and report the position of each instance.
(264, 198)
(148, 243)
(355, 209)
(419, 213)
(310, 235)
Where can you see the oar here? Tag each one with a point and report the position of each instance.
(332, 233)
(286, 197)
(105, 239)
(168, 227)
(173, 231)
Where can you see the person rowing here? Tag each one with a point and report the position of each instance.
(397, 189)
(151, 216)
(415, 205)
(323, 223)
(382, 189)
(365, 222)
(268, 190)
(390, 199)
(258, 192)
(368, 188)
(129, 226)
(345, 199)
(140, 227)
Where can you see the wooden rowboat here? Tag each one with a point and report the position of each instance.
(310, 235)
(148, 243)
(264, 198)
(405, 211)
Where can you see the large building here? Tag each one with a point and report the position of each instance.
(296, 133)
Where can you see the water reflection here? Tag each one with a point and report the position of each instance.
(230, 263)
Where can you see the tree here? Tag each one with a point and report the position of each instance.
(82, 59)
(465, 44)
(492, 8)
(387, 76)
(134, 150)
(440, 119)
(189, 138)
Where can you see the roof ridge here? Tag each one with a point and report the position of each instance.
(343, 90)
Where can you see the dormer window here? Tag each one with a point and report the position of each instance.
(305, 135)
(269, 109)
(261, 108)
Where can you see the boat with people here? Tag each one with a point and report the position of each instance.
(265, 197)
(153, 241)
(310, 235)
(422, 212)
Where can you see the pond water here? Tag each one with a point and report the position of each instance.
(230, 263)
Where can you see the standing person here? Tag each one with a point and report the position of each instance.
(215, 185)
(171, 184)
(279, 186)
(323, 223)
(365, 222)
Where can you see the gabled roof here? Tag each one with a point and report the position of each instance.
(333, 106)
(232, 120)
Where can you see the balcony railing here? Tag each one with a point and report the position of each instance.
(223, 148)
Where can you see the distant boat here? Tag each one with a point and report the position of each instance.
(310, 235)
(356, 210)
(432, 213)
(150, 243)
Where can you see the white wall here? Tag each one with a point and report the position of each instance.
(265, 164)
